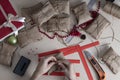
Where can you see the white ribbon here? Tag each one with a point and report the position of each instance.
(9, 23)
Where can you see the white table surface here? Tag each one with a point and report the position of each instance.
(47, 44)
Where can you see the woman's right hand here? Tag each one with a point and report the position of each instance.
(69, 70)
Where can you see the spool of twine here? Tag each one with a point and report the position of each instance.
(112, 9)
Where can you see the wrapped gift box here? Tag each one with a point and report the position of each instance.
(8, 9)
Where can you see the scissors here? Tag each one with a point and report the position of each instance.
(96, 66)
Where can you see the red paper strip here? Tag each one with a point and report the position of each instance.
(70, 51)
(66, 51)
(74, 61)
(48, 53)
(71, 61)
(84, 63)
(61, 74)
(90, 45)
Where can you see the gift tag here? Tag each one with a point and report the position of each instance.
(68, 39)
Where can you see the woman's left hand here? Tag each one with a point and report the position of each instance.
(44, 65)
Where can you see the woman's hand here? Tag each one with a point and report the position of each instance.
(44, 65)
(69, 70)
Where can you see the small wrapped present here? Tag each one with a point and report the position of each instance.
(62, 7)
(44, 14)
(6, 53)
(60, 25)
(82, 13)
(112, 59)
(98, 26)
(9, 21)
(28, 36)
(112, 8)
(27, 12)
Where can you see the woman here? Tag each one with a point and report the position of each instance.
(45, 65)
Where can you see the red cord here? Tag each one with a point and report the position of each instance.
(74, 32)
(55, 34)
